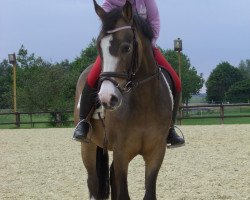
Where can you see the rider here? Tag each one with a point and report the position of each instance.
(148, 10)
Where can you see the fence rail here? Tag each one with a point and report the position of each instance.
(186, 109)
(185, 112)
(56, 118)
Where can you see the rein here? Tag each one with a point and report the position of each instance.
(129, 76)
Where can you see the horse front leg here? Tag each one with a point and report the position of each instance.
(88, 151)
(120, 174)
(153, 161)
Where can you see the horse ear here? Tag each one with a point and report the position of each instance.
(99, 10)
(127, 11)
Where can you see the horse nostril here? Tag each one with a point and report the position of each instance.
(105, 105)
(113, 101)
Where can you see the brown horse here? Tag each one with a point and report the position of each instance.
(137, 104)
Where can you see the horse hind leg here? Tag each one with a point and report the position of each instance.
(102, 169)
(112, 182)
(93, 161)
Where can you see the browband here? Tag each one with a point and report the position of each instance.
(119, 29)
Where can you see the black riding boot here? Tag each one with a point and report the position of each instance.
(87, 102)
(173, 138)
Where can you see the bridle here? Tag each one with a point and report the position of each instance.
(132, 70)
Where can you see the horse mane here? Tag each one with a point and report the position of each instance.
(111, 18)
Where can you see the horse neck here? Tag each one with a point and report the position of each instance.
(147, 63)
(147, 68)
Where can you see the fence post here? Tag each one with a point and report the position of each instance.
(31, 121)
(222, 113)
(179, 115)
(17, 116)
(58, 119)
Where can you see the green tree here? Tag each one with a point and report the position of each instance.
(6, 95)
(45, 89)
(220, 80)
(239, 92)
(25, 60)
(86, 58)
(244, 67)
(192, 82)
(42, 86)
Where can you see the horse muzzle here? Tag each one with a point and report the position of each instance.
(109, 95)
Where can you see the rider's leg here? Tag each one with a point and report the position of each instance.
(88, 99)
(173, 137)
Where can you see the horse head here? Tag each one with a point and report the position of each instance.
(119, 45)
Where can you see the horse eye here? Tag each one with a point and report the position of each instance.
(126, 48)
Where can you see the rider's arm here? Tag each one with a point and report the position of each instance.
(108, 5)
(153, 18)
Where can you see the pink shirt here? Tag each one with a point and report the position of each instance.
(145, 8)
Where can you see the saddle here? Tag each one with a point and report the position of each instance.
(169, 79)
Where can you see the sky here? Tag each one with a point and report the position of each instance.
(212, 31)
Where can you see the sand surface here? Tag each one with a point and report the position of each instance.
(46, 164)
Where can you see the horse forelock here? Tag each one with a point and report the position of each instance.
(111, 19)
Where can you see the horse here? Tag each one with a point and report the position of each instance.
(137, 103)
